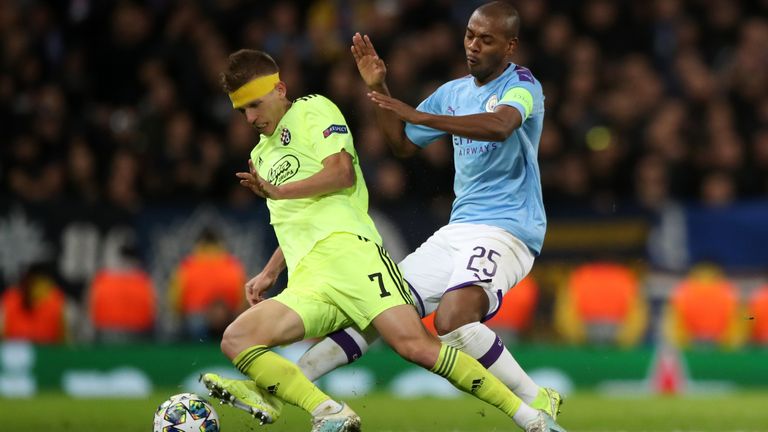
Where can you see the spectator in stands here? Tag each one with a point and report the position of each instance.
(83, 184)
(121, 300)
(207, 289)
(601, 303)
(758, 316)
(704, 310)
(660, 68)
(35, 310)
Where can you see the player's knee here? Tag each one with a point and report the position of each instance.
(459, 308)
(230, 345)
(446, 323)
(237, 338)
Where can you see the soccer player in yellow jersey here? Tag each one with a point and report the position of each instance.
(306, 167)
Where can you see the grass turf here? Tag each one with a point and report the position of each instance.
(582, 412)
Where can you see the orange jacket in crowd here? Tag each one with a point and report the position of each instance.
(42, 321)
(601, 302)
(122, 300)
(209, 275)
(704, 309)
(758, 313)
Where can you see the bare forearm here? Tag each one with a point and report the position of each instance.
(392, 127)
(276, 263)
(335, 176)
(324, 182)
(480, 127)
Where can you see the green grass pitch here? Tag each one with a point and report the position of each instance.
(581, 412)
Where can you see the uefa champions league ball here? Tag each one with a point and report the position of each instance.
(185, 412)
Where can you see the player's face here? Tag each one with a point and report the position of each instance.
(265, 112)
(487, 47)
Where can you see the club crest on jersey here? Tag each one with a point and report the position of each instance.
(491, 104)
(285, 136)
(334, 128)
(282, 170)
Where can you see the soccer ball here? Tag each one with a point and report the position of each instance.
(186, 412)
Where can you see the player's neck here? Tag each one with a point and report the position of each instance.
(492, 76)
(286, 106)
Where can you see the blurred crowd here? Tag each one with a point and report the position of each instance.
(596, 303)
(119, 103)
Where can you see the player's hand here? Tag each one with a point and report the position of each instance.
(371, 67)
(400, 108)
(253, 181)
(257, 287)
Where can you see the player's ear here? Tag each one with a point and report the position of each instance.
(511, 46)
(281, 88)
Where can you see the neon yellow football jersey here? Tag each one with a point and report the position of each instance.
(312, 129)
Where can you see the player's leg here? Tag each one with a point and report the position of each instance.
(489, 253)
(345, 346)
(371, 291)
(428, 276)
(247, 342)
(458, 324)
(401, 328)
(335, 350)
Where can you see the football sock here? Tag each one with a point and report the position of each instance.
(339, 348)
(279, 377)
(483, 344)
(468, 375)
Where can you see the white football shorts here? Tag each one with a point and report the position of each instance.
(464, 254)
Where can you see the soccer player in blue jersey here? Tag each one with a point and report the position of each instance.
(495, 117)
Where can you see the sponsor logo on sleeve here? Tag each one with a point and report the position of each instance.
(339, 129)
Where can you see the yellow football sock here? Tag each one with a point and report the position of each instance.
(279, 377)
(467, 374)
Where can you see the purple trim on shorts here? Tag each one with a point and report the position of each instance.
(422, 311)
(490, 357)
(348, 344)
(466, 284)
(495, 311)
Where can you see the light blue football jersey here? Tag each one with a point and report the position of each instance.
(496, 183)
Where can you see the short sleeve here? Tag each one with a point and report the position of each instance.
(519, 93)
(520, 98)
(326, 127)
(423, 135)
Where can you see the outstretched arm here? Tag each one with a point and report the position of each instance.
(493, 126)
(373, 71)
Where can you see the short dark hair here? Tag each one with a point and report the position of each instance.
(502, 9)
(245, 65)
